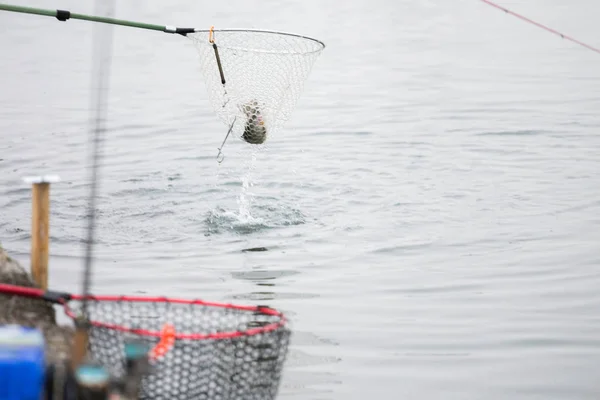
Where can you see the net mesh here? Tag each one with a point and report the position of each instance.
(264, 75)
(247, 367)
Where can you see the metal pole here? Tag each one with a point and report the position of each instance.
(64, 15)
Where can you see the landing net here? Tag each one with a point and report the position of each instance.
(254, 78)
(200, 350)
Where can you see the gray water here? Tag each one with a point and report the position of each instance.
(430, 212)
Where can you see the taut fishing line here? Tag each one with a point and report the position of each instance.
(530, 21)
(101, 61)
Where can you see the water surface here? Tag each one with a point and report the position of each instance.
(429, 214)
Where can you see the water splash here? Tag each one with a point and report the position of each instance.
(253, 213)
(244, 199)
(258, 217)
(220, 219)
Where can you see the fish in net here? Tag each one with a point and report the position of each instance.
(255, 131)
(254, 77)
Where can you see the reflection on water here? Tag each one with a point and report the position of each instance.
(307, 349)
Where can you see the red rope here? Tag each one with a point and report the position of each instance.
(52, 296)
(189, 336)
(562, 35)
(21, 291)
(143, 299)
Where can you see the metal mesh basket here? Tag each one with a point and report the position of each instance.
(220, 351)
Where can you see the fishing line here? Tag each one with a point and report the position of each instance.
(220, 155)
(100, 79)
(562, 35)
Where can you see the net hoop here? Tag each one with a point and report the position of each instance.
(319, 45)
(256, 310)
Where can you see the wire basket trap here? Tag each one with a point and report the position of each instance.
(205, 351)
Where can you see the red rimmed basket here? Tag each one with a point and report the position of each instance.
(219, 351)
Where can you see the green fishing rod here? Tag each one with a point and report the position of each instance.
(64, 15)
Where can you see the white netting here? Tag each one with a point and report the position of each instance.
(264, 74)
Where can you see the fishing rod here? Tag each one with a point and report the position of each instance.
(64, 15)
(530, 21)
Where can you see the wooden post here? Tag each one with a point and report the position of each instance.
(40, 228)
(40, 217)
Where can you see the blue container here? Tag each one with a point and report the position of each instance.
(22, 363)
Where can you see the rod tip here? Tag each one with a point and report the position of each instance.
(42, 179)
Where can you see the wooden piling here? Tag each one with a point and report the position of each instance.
(40, 218)
(40, 228)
